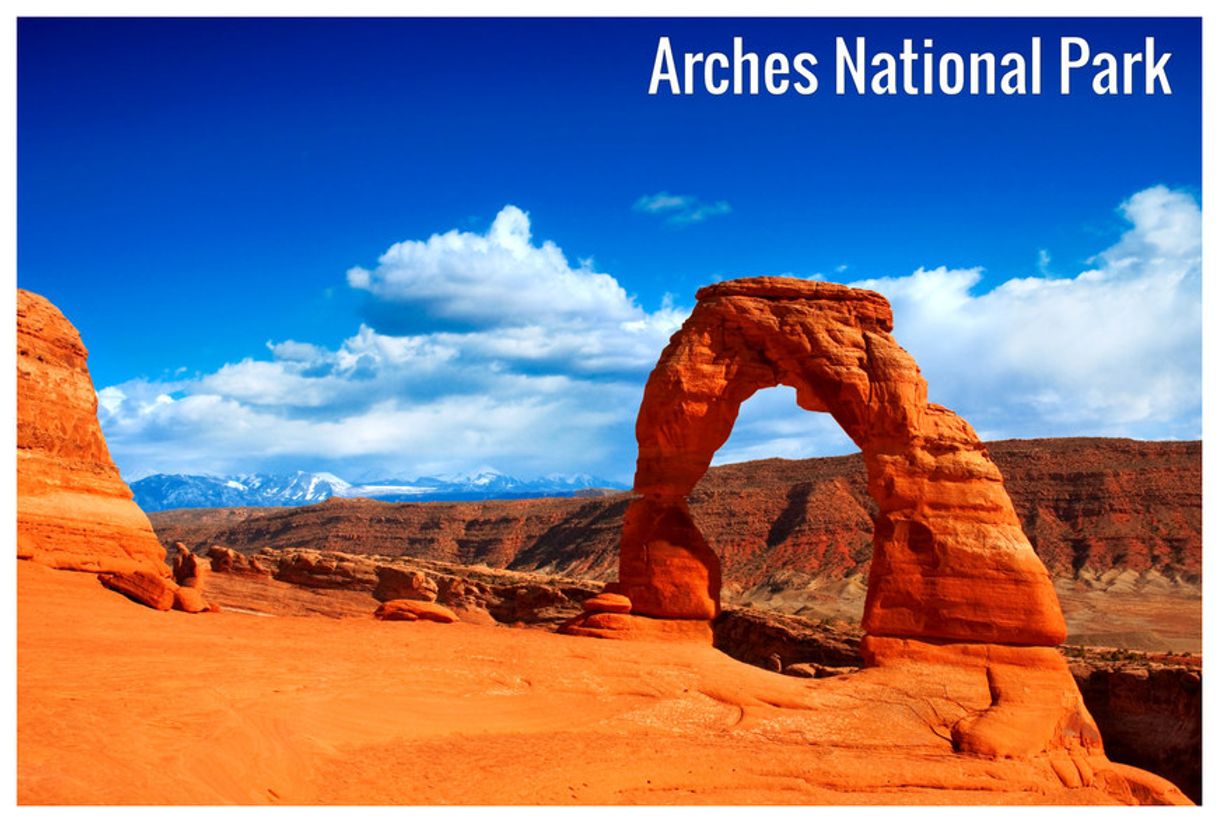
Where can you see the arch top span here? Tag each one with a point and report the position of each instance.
(950, 560)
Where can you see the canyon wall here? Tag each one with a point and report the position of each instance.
(1088, 505)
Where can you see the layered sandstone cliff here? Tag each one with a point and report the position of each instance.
(73, 509)
(1089, 505)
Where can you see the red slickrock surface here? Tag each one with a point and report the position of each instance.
(308, 710)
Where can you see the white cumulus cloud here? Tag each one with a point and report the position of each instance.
(533, 365)
(495, 279)
(548, 375)
(1113, 350)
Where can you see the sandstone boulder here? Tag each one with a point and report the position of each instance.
(73, 509)
(410, 610)
(190, 600)
(607, 603)
(189, 570)
(144, 587)
(810, 670)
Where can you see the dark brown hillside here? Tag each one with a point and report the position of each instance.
(1090, 506)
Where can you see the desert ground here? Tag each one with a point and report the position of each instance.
(271, 681)
(122, 704)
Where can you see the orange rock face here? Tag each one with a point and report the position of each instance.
(225, 560)
(146, 588)
(73, 509)
(189, 570)
(957, 598)
(950, 560)
(410, 610)
(399, 583)
(189, 600)
(607, 603)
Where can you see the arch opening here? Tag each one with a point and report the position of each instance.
(791, 536)
(949, 559)
(770, 425)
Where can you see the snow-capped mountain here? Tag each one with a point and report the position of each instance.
(161, 492)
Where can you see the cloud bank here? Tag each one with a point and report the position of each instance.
(1112, 351)
(522, 361)
(548, 375)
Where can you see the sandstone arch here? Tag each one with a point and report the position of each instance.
(950, 559)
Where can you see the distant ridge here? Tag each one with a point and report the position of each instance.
(1093, 508)
(161, 492)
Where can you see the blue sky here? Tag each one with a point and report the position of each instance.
(209, 202)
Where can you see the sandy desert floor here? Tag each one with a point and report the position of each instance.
(1168, 620)
(121, 704)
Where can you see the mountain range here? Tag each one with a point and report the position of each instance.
(162, 492)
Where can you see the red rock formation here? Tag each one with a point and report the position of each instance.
(225, 560)
(401, 583)
(190, 600)
(607, 603)
(950, 561)
(1149, 710)
(144, 587)
(411, 610)
(957, 597)
(73, 509)
(607, 625)
(326, 569)
(189, 571)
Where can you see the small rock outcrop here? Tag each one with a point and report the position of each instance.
(607, 603)
(190, 573)
(402, 583)
(189, 570)
(326, 569)
(510, 598)
(73, 509)
(191, 601)
(225, 560)
(154, 590)
(412, 610)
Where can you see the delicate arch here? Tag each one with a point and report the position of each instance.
(950, 560)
